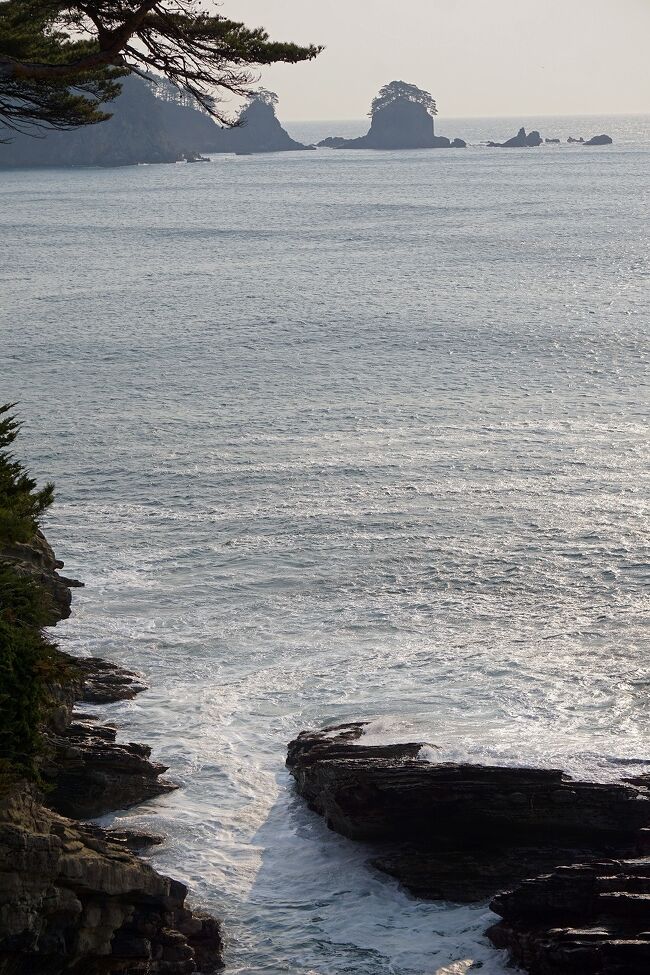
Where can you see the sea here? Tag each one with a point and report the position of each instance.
(344, 435)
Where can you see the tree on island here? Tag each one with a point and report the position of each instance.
(265, 96)
(401, 91)
(60, 61)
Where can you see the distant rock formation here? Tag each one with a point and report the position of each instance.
(600, 140)
(553, 142)
(520, 141)
(402, 118)
(572, 140)
(150, 124)
(259, 130)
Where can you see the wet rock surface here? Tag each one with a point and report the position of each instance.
(458, 832)
(586, 919)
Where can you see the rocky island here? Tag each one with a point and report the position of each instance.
(562, 860)
(401, 118)
(73, 897)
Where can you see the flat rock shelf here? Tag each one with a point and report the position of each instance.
(465, 833)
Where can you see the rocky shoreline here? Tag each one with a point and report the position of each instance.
(564, 862)
(74, 897)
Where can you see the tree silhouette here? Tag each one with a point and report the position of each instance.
(59, 61)
(265, 96)
(401, 91)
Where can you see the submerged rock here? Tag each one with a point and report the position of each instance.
(457, 831)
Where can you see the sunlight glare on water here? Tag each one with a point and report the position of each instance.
(342, 436)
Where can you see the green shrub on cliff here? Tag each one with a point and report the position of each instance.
(28, 661)
(25, 659)
(21, 502)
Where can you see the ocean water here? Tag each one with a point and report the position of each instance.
(344, 435)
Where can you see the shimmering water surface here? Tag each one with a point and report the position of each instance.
(338, 436)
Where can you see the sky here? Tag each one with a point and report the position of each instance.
(477, 57)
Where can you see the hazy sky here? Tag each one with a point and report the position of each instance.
(477, 57)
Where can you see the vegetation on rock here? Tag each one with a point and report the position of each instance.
(396, 91)
(28, 660)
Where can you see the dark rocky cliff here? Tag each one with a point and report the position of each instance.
(574, 852)
(75, 898)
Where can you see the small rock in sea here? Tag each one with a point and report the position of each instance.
(522, 140)
(600, 140)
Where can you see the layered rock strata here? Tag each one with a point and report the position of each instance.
(463, 833)
(75, 898)
(37, 561)
(585, 919)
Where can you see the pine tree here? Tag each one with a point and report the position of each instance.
(61, 61)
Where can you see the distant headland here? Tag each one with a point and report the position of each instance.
(153, 123)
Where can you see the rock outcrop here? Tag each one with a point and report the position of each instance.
(461, 832)
(402, 119)
(522, 140)
(586, 919)
(74, 899)
(600, 140)
(258, 130)
(37, 561)
(90, 773)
